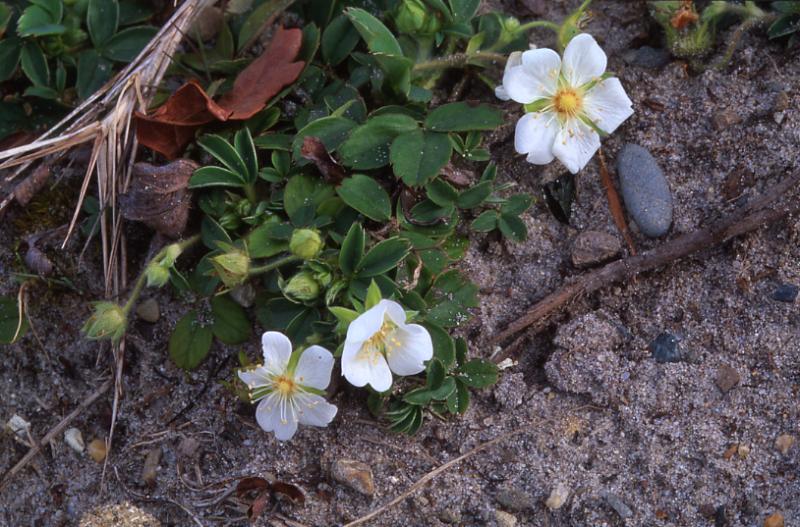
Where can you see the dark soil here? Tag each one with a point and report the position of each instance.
(636, 442)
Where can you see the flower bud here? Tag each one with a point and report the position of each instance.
(305, 243)
(415, 18)
(232, 267)
(302, 287)
(171, 254)
(108, 321)
(157, 274)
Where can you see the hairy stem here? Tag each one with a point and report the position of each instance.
(458, 60)
(280, 262)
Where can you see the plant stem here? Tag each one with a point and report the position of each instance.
(458, 60)
(280, 262)
(539, 23)
(250, 192)
(140, 282)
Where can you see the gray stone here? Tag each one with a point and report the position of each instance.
(514, 499)
(647, 57)
(594, 247)
(727, 378)
(645, 190)
(616, 503)
(505, 519)
(354, 474)
(786, 293)
(148, 310)
(666, 348)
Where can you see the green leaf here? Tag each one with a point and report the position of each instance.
(215, 177)
(10, 51)
(461, 350)
(338, 40)
(512, 227)
(343, 315)
(256, 22)
(243, 142)
(485, 222)
(332, 131)
(516, 204)
(367, 196)
(93, 72)
(43, 92)
(274, 142)
(301, 197)
(34, 64)
(373, 295)
(102, 20)
(134, 12)
(190, 342)
(444, 391)
(41, 18)
(378, 37)
(383, 257)
(417, 156)
(212, 233)
(435, 374)
(10, 328)
(475, 196)
(444, 348)
(458, 401)
(278, 313)
(478, 373)
(464, 10)
(463, 117)
(441, 193)
(368, 145)
(128, 43)
(5, 17)
(261, 242)
(420, 396)
(225, 153)
(231, 324)
(435, 260)
(352, 250)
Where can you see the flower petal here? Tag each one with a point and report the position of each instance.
(608, 105)
(394, 311)
(584, 60)
(255, 377)
(514, 60)
(411, 346)
(314, 368)
(535, 134)
(277, 350)
(278, 416)
(314, 410)
(360, 370)
(575, 145)
(367, 324)
(535, 79)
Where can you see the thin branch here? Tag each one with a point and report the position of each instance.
(764, 210)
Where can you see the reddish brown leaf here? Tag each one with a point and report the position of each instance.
(266, 76)
(172, 126)
(250, 484)
(293, 492)
(315, 151)
(158, 196)
(259, 505)
(614, 203)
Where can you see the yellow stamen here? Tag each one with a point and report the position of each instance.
(285, 385)
(568, 102)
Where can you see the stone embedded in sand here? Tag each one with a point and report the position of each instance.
(786, 293)
(558, 497)
(97, 450)
(505, 519)
(645, 190)
(118, 515)
(594, 247)
(774, 520)
(784, 443)
(150, 467)
(616, 503)
(727, 378)
(515, 499)
(354, 474)
(74, 439)
(666, 348)
(148, 310)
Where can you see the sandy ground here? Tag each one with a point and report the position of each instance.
(635, 442)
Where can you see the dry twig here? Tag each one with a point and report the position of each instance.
(764, 210)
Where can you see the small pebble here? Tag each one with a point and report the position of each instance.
(743, 451)
(514, 499)
(774, 520)
(150, 467)
(118, 515)
(505, 519)
(784, 443)
(74, 439)
(724, 119)
(451, 516)
(188, 448)
(19, 426)
(148, 310)
(727, 378)
(594, 247)
(97, 450)
(354, 474)
(645, 190)
(666, 348)
(616, 503)
(781, 102)
(558, 497)
(786, 293)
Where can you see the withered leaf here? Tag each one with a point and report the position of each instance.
(458, 176)
(293, 492)
(250, 484)
(172, 126)
(28, 187)
(315, 151)
(259, 505)
(158, 196)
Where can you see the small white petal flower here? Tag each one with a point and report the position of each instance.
(380, 342)
(567, 101)
(290, 393)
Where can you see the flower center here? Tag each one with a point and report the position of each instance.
(381, 343)
(285, 385)
(567, 102)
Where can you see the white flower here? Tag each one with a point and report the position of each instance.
(567, 102)
(380, 342)
(290, 391)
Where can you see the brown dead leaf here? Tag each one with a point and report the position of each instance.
(250, 484)
(158, 196)
(172, 126)
(293, 492)
(614, 203)
(28, 187)
(458, 176)
(315, 151)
